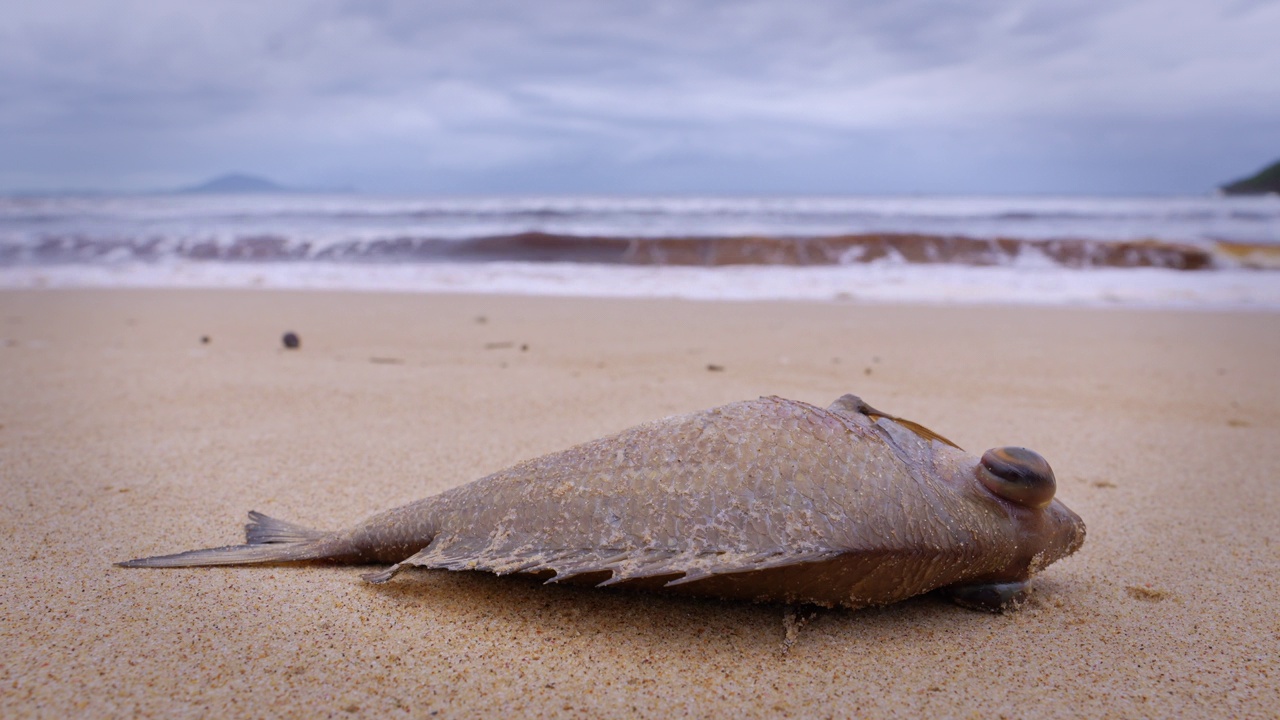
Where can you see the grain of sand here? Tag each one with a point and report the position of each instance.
(122, 435)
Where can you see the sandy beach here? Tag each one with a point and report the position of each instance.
(123, 434)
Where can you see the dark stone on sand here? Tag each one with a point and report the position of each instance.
(712, 367)
(204, 339)
(291, 340)
(1265, 181)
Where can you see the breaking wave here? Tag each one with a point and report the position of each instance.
(537, 247)
(1192, 234)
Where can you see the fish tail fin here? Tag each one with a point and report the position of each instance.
(268, 540)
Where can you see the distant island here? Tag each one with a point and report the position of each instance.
(236, 183)
(1266, 181)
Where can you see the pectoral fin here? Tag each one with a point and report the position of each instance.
(991, 597)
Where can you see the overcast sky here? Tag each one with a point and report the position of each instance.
(558, 96)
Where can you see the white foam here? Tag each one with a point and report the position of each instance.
(1031, 282)
(326, 221)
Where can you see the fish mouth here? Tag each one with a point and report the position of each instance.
(1070, 529)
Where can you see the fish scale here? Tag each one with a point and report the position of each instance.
(767, 499)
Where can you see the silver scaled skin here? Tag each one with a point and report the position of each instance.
(768, 500)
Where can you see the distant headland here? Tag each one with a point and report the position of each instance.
(1264, 182)
(236, 183)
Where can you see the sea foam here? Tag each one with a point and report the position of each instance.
(1185, 252)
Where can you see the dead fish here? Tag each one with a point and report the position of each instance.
(766, 500)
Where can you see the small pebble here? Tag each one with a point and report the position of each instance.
(204, 339)
(291, 340)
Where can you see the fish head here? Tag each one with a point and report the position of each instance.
(1002, 501)
(1022, 485)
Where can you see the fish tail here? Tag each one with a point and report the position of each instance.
(267, 540)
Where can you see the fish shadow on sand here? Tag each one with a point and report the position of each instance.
(663, 624)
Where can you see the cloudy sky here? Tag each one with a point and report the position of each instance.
(561, 96)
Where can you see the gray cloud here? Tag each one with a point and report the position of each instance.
(564, 96)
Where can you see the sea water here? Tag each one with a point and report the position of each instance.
(587, 246)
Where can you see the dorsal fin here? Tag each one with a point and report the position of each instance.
(850, 403)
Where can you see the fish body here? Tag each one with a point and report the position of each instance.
(767, 500)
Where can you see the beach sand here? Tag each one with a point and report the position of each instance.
(123, 435)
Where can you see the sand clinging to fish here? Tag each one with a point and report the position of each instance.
(768, 500)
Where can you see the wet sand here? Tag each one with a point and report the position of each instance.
(122, 435)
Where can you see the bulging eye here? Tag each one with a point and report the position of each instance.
(1018, 475)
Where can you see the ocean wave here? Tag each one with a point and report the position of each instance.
(539, 247)
(1184, 234)
(338, 218)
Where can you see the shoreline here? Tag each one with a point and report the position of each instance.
(122, 434)
(1027, 285)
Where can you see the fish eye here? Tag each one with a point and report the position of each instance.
(1018, 475)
